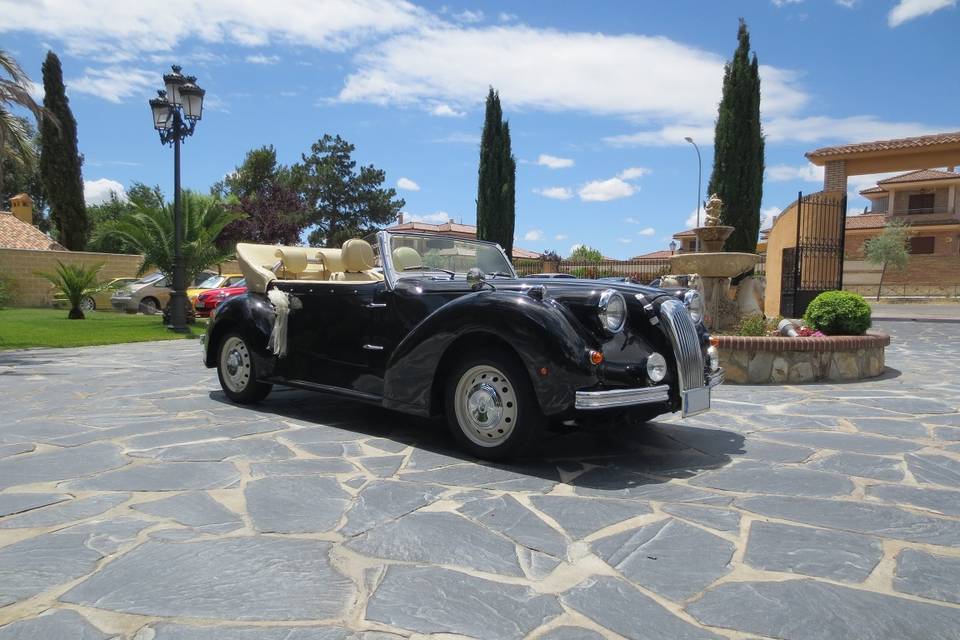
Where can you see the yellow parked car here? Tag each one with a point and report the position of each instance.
(213, 282)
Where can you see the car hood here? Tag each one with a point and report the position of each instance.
(230, 291)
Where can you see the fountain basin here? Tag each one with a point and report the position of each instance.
(713, 265)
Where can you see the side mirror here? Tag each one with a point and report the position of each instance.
(475, 278)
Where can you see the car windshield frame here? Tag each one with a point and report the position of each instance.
(150, 279)
(217, 280)
(392, 275)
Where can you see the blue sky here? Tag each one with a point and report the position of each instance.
(599, 95)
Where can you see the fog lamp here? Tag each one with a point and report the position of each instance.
(656, 367)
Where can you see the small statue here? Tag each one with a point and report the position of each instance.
(713, 209)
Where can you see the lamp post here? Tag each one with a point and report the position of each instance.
(176, 111)
(699, 182)
(673, 247)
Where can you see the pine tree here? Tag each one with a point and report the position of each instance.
(496, 186)
(60, 161)
(738, 148)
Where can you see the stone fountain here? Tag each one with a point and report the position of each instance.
(715, 267)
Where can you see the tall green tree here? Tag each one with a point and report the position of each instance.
(60, 162)
(888, 250)
(17, 150)
(23, 176)
(341, 203)
(738, 148)
(149, 231)
(496, 185)
(139, 196)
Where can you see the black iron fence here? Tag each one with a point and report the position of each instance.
(640, 269)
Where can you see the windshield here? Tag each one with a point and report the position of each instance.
(153, 277)
(414, 255)
(211, 283)
(233, 281)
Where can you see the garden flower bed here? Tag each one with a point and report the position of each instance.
(778, 360)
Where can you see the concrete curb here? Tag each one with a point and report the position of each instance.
(917, 319)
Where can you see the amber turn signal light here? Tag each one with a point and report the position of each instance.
(596, 357)
(714, 341)
(544, 372)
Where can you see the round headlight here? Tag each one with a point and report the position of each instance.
(694, 303)
(656, 367)
(714, 357)
(612, 311)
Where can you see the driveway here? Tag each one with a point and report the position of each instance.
(137, 504)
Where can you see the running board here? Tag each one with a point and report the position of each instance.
(326, 388)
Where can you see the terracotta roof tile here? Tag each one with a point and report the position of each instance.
(867, 221)
(887, 145)
(685, 234)
(654, 255)
(873, 190)
(921, 176)
(17, 234)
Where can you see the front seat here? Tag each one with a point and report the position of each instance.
(406, 258)
(358, 260)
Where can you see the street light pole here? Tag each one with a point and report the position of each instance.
(181, 100)
(699, 182)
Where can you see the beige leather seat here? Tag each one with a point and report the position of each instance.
(406, 258)
(358, 261)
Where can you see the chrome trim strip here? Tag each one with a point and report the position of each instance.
(326, 388)
(716, 378)
(373, 347)
(375, 305)
(621, 397)
(686, 344)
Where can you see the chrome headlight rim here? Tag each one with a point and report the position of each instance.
(693, 301)
(614, 297)
(656, 367)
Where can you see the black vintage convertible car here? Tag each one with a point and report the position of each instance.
(442, 326)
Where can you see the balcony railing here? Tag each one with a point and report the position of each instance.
(912, 212)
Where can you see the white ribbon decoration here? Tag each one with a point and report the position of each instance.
(282, 304)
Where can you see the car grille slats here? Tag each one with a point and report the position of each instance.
(686, 344)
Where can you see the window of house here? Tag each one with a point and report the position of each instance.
(922, 245)
(920, 203)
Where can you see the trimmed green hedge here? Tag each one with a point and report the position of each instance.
(838, 313)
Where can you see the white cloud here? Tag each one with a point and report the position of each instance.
(36, 90)
(459, 137)
(457, 65)
(605, 190)
(560, 236)
(691, 220)
(574, 247)
(909, 9)
(555, 193)
(406, 184)
(666, 136)
(98, 191)
(781, 3)
(107, 30)
(260, 58)
(506, 17)
(533, 234)
(633, 173)
(624, 240)
(786, 173)
(648, 231)
(446, 111)
(115, 84)
(439, 217)
(849, 4)
(847, 129)
(468, 16)
(767, 216)
(553, 162)
(631, 220)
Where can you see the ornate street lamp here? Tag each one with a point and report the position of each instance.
(673, 247)
(699, 182)
(176, 111)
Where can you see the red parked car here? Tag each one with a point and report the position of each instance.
(209, 299)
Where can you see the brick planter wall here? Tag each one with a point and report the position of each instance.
(778, 360)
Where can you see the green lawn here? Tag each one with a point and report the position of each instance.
(26, 328)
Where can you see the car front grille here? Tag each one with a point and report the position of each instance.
(686, 344)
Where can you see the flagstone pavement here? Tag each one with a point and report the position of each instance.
(136, 503)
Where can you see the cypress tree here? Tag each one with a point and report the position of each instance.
(496, 186)
(60, 161)
(738, 148)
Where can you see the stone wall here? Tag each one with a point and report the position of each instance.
(765, 360)
(32, 290)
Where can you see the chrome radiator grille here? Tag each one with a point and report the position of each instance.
(686, 344)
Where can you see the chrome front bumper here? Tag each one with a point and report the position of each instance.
(611, 398)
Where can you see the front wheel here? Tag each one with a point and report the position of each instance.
(237, 371)
(149, 306)
(87, 304)
(490, 406)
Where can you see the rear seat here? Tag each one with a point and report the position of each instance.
(358, 262)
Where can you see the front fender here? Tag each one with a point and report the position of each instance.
(542, 333)
(253, 314)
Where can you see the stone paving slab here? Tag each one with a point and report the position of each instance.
(137, 504)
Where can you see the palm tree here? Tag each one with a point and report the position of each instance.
(149, 231)
(77, 283)
(15, 138)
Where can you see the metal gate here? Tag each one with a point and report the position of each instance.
(815, 263)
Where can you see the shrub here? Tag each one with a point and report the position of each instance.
(838, 313)
(755, 325)
(6, 290)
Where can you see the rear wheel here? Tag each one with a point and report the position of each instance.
(149, 306)
(87, 304)
(237, 371)
(490, 406)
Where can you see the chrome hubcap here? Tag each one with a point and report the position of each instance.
(486, 405)
(235, 364)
